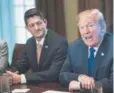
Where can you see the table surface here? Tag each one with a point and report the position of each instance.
(39, 88)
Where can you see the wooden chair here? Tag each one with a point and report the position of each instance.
(17, 53)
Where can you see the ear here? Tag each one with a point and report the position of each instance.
(103, 29)
(27, 28)
(45, 21)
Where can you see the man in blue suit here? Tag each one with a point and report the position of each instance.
(77, 69)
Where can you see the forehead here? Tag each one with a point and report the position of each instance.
(34, 19)
(85, 19)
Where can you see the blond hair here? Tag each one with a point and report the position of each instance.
(95, 14)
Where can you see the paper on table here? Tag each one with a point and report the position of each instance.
(53, 91)
(20, 90)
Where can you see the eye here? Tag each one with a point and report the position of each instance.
(31, 25)
(81, 27)
(90, 25)
(39, 23)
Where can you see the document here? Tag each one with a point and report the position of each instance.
(20, 90)
(53, 91)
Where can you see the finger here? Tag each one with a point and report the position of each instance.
(9, 72)
(86, 83)
(92, 83)
(16, 72)
(70, 90)
(83, 84)
(5, 74)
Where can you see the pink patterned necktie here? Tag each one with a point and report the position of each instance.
(39, 49)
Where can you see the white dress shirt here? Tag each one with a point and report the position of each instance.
(96, 49)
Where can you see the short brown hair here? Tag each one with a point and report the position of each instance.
(33, 12)
(95, 14)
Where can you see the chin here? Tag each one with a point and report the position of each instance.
(39, 36)
(90, 44)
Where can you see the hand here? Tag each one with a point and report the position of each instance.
(9, 78)
(16, 78)
(87, 82)
(74, 85)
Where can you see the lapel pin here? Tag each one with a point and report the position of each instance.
(46, 46)
(102, 54)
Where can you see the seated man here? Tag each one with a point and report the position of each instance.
(44, 53)
(89, 59)
(3, 56)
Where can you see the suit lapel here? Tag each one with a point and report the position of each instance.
(45, 49)
(32, 54)
(100, 56)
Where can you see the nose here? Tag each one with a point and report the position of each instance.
(86, 30)
(35, 26)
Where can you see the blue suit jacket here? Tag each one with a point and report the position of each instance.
(77, 63)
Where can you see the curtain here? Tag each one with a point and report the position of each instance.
(7, 29)
(54, 12)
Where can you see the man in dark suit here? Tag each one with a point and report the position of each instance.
(44, 53)
(77, 68)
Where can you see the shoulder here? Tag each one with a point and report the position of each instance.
(109, 36)
(77, 46)
(30, 40)
(108, 39)
(77, 43)
(3, 43)
(55, 37)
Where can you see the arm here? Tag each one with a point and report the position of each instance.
(107, 82)
(52, 73)
(3, 56)
(66, 74)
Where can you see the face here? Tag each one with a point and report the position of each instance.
(37, 26)
(90, 31)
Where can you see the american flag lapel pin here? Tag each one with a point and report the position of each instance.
(46, 46)
(102, 54)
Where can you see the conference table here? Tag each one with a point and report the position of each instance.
(39, 88)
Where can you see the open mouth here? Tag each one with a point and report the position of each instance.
(89, 38)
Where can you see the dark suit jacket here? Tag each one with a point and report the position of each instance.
(52, 58)
(77, 63)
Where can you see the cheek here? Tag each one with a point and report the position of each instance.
(81, 33)
(41, 27)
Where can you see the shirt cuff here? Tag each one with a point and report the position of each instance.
(23, 79)
(79, 77)
(78, 86)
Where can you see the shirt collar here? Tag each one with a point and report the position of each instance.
(97, 47)
(41, 42)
